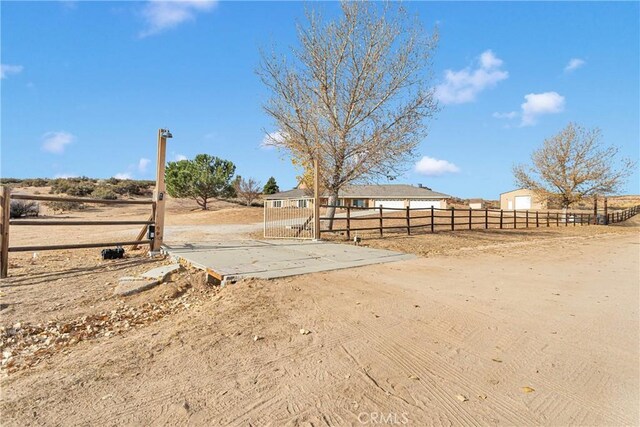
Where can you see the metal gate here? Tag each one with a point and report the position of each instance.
(289, 219)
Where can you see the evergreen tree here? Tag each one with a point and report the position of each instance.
(271, 187)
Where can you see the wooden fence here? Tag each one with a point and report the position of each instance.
(623, 215)
(379, 220)
(6, 222)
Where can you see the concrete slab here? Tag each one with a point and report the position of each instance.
(232, 260)
(130, 287)
(159, 273)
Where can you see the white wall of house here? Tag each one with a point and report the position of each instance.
(389, 203)
(425, 204)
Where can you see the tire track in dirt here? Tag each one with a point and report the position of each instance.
(424, 364)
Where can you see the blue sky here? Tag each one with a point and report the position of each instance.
(86, 85)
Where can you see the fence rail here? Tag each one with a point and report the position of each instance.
(5, 222)
(407, 220)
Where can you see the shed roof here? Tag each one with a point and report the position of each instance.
(385, 191)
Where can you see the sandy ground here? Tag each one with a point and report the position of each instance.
(524, 329)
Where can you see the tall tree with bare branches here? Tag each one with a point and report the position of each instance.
(355, 95)
(247, 190)
(573, 165)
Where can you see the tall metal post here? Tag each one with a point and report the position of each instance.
(159, 195)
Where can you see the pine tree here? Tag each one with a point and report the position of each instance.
(271, 187)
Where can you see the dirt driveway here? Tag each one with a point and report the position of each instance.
(545, 333)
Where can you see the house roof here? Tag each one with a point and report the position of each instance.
(516, 189)
(387, 191)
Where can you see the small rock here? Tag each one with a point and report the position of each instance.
(305, 331)
(527, 389)
(256, 337)
(461, 398)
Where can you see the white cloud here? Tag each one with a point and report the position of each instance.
(272, 139)
(574, 64)
(164, 15)
(489, 60)
(434, 167)
(56, 142)
(6, 70)
(464, 85)
(510, 115)
(537, 104)
(123, 175)
(143, 164)
(179, 157)
(66, 175)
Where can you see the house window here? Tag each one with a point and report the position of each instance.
(277, 203)
(358, 203)
(302, 203)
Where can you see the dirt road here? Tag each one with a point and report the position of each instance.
(545, 333)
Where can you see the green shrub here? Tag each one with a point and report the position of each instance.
(128, 187)
(35, 182)
(104, 192)
(20, 208)
(4, 181)
(66, 206)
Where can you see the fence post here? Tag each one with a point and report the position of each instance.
(566, 218)
(348, 222)
(432, 224)
(537, 222)
(408, 221)
(526, 215)
(380, 221)
(501, 215)
(606, 212)
(595, 211)
(470, 218)
(453, 218)
(5, 194)
(547, 219)
(557, 219)
(486, 218)
(316, 199)
(515, 219)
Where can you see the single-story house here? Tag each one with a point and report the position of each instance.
(367, 196)
(521, 199)
(476, 204)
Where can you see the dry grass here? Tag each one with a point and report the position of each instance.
(461, 242)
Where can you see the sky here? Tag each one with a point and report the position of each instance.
(85, 85)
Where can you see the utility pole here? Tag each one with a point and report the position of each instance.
(159, 195)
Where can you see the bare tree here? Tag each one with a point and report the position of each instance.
(355, 95)
(248, 190)
(572, 165)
